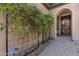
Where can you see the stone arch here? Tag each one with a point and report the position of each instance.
(64, 10)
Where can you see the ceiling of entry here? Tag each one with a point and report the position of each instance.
(52, 5)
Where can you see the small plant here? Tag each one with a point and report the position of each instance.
(1, 27)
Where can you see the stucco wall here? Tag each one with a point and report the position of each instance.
(74, 7)
(42, 8)
(2, 37)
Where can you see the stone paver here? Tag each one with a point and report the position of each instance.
(62, 46)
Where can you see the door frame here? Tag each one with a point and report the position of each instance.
(58, 24)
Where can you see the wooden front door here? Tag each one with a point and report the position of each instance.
(66, 25)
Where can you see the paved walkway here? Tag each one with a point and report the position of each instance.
(62, 46)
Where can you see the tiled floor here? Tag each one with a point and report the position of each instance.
(62, 46)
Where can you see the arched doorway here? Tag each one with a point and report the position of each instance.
(64, 25)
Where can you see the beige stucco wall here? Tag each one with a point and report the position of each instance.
(2, 37)
(74, 7)
(42, 8)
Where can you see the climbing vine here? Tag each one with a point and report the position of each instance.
(25, 18)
